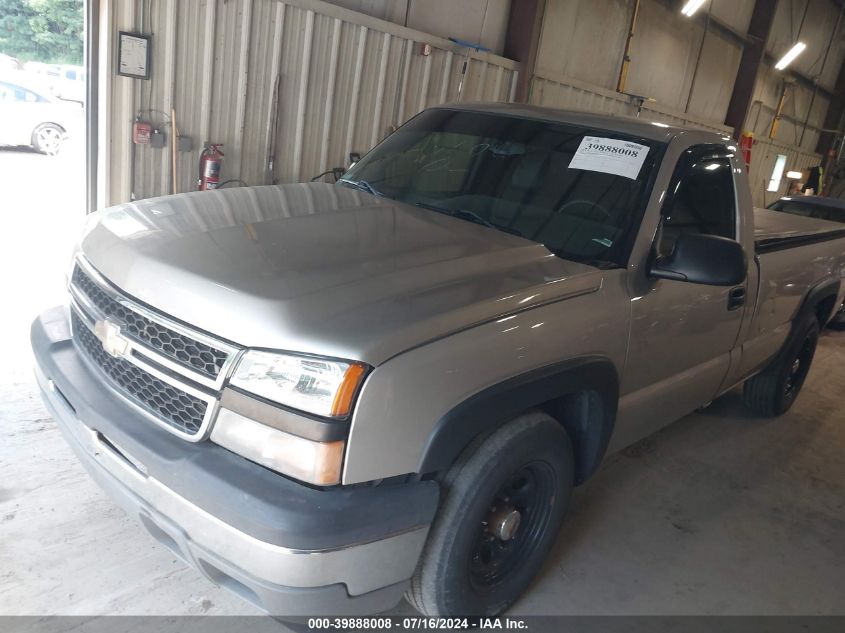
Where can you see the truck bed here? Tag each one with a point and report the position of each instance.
(775, 231)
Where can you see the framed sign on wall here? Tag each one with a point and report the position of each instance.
(134, 54)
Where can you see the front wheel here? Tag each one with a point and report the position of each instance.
(504, 502)
(772, 392)
(47, 138)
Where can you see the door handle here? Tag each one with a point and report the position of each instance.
(736, 298)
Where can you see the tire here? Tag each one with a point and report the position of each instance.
(838, 321)
(47, 138)
(773, 391)
(465, 570)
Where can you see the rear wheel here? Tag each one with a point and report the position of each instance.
(838, 321)
(48, 138)
(504, 501)
(772, 392)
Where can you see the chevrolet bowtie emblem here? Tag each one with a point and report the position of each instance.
(109, 334)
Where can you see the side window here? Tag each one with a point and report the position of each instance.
(701, 198)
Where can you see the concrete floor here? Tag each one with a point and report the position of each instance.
(721, 513)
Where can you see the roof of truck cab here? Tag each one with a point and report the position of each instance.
(643, 127)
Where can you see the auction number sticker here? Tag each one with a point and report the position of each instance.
(609, 156)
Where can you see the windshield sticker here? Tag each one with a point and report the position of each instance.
(609, 156)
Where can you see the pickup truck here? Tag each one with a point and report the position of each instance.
(327, 396)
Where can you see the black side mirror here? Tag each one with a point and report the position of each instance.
(703, 259)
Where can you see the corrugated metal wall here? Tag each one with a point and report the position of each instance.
(675, 60)
(564, 92)
(815, 24)
(689, 70)
(763, 156)
(345, 81)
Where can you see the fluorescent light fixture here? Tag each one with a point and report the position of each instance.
(777, 173)
(691, 7)
(791, 54)
(794, 175)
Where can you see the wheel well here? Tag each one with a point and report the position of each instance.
(582, 394)
(583, 415)
(825, 308)
(43, 123)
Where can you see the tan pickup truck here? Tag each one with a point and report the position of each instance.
(325, 397)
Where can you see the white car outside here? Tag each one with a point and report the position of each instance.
(31, 117)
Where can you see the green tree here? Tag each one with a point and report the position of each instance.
(42, 30)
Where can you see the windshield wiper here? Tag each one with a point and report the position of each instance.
(363, 185)
(472, 216)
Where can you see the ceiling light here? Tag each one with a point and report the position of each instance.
(794, 175)
(791, 54)
(691, 7)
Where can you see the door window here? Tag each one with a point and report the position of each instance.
(10, 92)
(701, 198)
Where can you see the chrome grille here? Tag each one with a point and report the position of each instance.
(166, 402)
(171, 372)
(185, 351)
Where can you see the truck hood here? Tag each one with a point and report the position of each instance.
(322, 269)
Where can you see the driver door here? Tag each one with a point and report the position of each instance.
(682, 333)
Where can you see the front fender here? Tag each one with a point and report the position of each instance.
(494, 406)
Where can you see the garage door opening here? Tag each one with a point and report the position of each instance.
(43, 83)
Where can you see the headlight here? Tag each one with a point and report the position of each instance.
(315, 385)
(318, 463)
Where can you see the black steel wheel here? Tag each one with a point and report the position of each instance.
(503, 503)
(773, 391)
(797, 371)
(519, 513)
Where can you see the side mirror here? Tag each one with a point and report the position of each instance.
(703, 259)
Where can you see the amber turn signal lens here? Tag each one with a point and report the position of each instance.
(345, 395)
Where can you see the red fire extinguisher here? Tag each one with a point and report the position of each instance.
(746, 142)
(211, 160)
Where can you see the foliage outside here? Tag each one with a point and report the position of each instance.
(48, 31)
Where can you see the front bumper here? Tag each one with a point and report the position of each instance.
(288, 548)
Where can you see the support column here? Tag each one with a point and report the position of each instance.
(522, 40)
(835, 110)
(749, 66)
(92, 101)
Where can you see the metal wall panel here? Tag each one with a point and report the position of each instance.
(673, 60)
(763, 156)
(345, 81)
(797, 112)
(563, 92)
(815, 32)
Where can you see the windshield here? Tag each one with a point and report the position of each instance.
(517, 175)
(810, 210)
